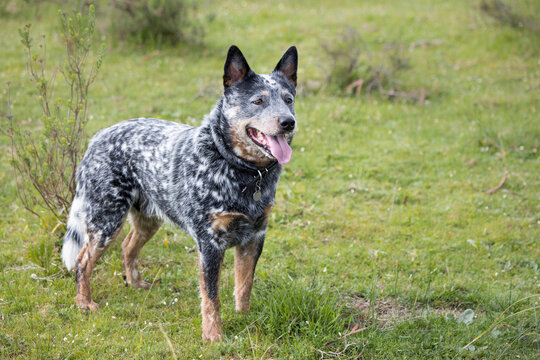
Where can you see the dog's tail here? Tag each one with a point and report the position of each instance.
(75, 235)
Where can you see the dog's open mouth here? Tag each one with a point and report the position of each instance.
(275, 145)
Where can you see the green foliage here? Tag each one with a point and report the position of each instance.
(352, 68)
(520, 15)
(45, 160)
(41, 254)
(293, 308)
(348, 58)
(155, 22)
(8, 7)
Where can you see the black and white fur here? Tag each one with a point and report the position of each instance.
(198, 178)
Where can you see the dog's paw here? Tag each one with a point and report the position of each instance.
(213, 335)
(141, 284)
(86, 305)
(242, 307)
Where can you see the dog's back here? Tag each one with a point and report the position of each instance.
(126, 164)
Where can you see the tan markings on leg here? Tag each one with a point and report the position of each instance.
(266, 215)
(142, 230)
(83, 270)
(212, 329)
(268, 211)
(222, 221)
(244, 267)
(86, 261)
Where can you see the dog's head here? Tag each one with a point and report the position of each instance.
(259, 109)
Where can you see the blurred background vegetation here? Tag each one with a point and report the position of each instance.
(406, 225)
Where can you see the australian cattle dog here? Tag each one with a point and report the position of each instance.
(216, 181)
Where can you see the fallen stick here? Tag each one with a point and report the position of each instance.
(356, 85)
(56, 227)
(496, 188)
(355, 330)
(425, 43)
(35, 277)
(168, 341)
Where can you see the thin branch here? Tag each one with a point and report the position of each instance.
(169, 343)
(500, 185)
(355, 330)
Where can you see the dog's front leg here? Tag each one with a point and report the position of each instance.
(210, 260)
(245, 260)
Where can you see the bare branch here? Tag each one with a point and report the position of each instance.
(500, 185)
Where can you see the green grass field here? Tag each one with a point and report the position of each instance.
(382, 220)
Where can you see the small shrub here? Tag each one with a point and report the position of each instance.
(155, 22)
(510, 15)
(45, 160)
(14, 8)
(352, 68)
(7, 7)
(348, 57)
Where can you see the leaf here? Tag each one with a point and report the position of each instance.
(466, 317)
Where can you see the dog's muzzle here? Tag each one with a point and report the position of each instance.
(287, 123)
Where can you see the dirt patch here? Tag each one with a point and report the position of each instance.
(387, 311)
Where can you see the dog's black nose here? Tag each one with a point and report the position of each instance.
(287, 123)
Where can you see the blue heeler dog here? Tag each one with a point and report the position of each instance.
(217, 182)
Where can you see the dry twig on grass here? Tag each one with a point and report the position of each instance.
(500, 185)
(418, 96)
(356, 86)
(354, 330)
(35, 277)
(169, 343)
(424, 43)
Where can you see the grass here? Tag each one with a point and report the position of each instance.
(383, 202)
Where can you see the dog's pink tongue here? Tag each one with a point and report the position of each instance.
(280, 148)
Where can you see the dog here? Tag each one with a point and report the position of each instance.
(217, 182)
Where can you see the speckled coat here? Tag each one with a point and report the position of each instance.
(202, 179)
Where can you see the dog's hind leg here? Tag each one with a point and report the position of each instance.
(142, 230)
(210, 260)
(86, 261)
(103, 217)
(89, 255)
(245, 260)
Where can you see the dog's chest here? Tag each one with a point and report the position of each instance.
(222, 200)
(233, 228)
(215, 186)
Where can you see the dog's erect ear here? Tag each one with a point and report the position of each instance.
(288, 64)
(236, 67)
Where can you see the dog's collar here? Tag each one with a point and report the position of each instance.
(258, 180)
(262, 174)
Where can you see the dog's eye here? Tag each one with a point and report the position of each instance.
(288, 101)
(257, 102)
